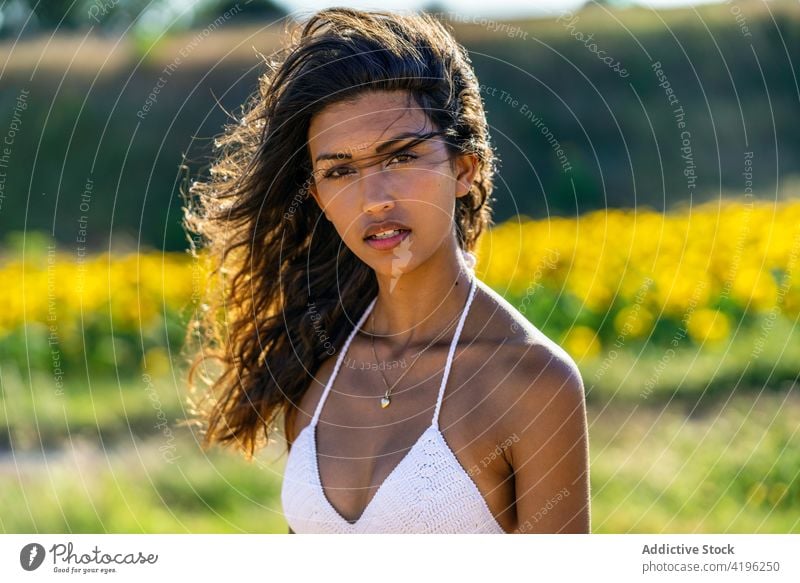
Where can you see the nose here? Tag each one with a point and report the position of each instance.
(377, 206)
(376, 196)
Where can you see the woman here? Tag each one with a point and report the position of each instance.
(341, 215)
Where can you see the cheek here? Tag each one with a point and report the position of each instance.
(437, 196)
(345, 219)
(430, 187)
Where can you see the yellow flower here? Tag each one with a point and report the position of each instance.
(756, 286)
(633, 321)
(707, 325)
(581, 342)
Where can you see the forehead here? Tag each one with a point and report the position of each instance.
(364, 123)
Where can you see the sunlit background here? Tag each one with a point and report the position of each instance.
(647, 218)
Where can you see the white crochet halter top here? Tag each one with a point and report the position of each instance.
(427, 492)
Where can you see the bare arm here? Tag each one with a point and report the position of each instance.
(551, 456)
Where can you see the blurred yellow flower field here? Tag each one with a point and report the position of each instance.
(735, 249)
(703, 267)
(587, 280)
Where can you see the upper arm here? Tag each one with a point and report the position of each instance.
(550, 453)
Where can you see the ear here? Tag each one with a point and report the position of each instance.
(466, 169)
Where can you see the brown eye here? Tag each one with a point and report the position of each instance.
(404, 155)
(331, 173)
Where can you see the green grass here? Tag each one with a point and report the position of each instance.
(748, 360)
(726, 467)
(732, 467)
(136, 490)
(34, 414)
(711, 449)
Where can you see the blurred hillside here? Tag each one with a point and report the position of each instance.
(685, 102)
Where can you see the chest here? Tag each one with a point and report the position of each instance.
(359, 444)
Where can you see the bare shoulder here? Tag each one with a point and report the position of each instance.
(533, 374)
(526, 349)
(545, 386)
(538, 407)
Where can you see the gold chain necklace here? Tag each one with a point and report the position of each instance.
(386, 400)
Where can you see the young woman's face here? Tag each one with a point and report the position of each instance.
(365, 173)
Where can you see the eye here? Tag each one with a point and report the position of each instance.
(331, 173)
(404, 155)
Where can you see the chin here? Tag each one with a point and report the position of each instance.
(392, 268)
(394, 265)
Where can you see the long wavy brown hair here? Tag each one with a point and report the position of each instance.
(284, 287)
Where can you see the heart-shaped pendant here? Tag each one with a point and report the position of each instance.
(385, 402)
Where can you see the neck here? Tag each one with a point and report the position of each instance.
(416, 307)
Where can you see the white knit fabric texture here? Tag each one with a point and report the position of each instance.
(428, 492)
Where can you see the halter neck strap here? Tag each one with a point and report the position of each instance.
(340, 358)
(447, 367)
(453, 344)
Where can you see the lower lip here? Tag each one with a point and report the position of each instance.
(389, 242)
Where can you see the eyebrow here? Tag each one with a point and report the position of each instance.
(384, 146)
